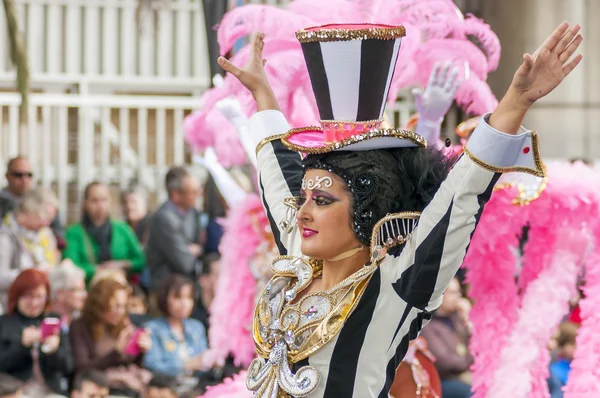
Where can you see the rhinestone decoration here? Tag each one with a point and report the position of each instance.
(266, 378)
(289, 337)
(283, 330)
(376, 32)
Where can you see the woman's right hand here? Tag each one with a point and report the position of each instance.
(30, 336)
(124, 338)
(253, 75)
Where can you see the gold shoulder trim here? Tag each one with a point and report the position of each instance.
(267, 140)
(537, 160)
(309, 35)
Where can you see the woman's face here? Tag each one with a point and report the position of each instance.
(134, 207)
(324, 217)
(181, 303)
(118, 308)
(97, 203)
(32, 303)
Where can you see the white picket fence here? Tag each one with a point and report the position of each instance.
(74, 139)
(105, 42)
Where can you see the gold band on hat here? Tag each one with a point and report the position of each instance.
(341, 34)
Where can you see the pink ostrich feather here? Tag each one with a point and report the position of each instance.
(233, 305)
(536, 324)
(553, 209)
(491, 269)
(233, 387)
(327, 12)
(488, 41)
(584, 378)
(245, 20)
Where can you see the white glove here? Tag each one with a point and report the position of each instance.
(433, 104)
(232, 110)
(209, 158)
(231, 191)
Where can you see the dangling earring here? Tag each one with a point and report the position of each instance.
(288, 223)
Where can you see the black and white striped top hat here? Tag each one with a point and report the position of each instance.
(350, 68)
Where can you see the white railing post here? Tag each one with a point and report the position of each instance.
(85, 145)
(61, 149)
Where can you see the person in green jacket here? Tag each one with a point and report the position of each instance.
(99, 242)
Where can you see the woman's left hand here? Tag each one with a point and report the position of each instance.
(50, 344)
(542, 71)
(145, 341)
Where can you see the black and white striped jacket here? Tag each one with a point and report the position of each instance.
(404, 291)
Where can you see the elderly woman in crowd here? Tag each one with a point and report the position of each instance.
(67, 283)
(104, 338)
(179, 346)
(98, 242)
(26, 241)
(33, 347)
(134, 201)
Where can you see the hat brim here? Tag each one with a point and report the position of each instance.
(311, 140)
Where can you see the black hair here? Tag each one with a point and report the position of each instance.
(207, 262)
(172, 284)
(91, 375)
(137, 291)
(163, 381)
(383, 181)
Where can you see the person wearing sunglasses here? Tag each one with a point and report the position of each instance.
(20, 178)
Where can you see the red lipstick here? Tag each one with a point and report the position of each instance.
(307, 233)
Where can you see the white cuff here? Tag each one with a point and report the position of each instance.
(266, 124)
(505, 153)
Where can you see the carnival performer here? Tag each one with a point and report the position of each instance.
(355, 283)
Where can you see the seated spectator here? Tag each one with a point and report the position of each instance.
(98, 242)
(26, 240)
(137, 303)
(19, 176)
(10, 387)
(67, 283)
(176, 233)
(179, 346)
(116, 274)
(566, 345)
(134, 201)
(207, 281)
(103, 338)
(26, 341)
(161, 386)
(448, 338)
(90, 384)
(137, 306)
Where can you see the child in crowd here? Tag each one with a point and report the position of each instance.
(137, 304)
(566, 350)
(161, 386)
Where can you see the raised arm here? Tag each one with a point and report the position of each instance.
(433, 103)
(439, 244)
(231, 109)
(279, 169)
